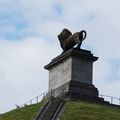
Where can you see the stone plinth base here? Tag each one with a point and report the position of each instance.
(77, 90)
(70, 75)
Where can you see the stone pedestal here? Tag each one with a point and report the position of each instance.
(70, 74)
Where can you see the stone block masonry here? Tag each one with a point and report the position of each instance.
(72, 71)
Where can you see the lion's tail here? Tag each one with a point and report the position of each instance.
(85, 34)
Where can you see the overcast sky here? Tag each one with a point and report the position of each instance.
(28, 41)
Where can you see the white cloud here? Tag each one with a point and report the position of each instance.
(21, 69)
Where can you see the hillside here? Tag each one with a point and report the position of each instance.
(73, 110)
(25, 113)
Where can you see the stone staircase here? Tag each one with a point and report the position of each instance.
(51, 109)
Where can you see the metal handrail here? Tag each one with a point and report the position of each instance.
(34, 100)
(111, 99)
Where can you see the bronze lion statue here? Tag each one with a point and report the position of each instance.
(68, 41)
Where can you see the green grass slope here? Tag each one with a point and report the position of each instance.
(75, 110)
(25, 113)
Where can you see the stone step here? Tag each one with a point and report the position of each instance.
(50, 108)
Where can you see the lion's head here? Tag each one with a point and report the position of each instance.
(64, 34)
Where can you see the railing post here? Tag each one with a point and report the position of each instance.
(37, 99)
(111, 100)
(43, 95)
(51, 92)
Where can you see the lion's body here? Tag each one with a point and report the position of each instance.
(67, 40)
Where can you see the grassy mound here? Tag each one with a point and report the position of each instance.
(75, 110)
(25, 113)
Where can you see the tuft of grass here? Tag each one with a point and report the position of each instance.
(26, 113)
(76, 110)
